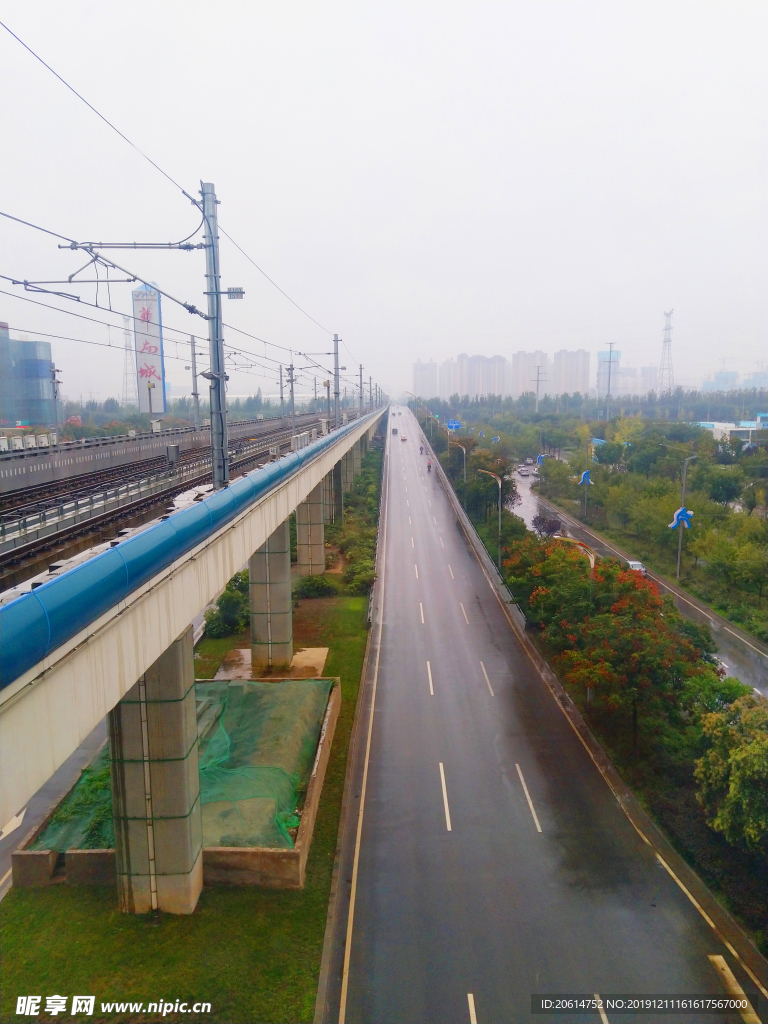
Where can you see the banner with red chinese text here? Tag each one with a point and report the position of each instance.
(148, 334)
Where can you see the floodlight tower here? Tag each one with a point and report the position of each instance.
(666, 384)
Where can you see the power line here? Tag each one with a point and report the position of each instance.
(95, 320)
(35, 226)
(230, 327)
(274, 283)
(82, 341)
(164, 173)
(96, 112)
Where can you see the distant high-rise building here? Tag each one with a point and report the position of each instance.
(425, 379)
(26, 382)
(447, 379)
(724, 380)
(523, 374)
(758, 379)
(649, 376)
(570, 373)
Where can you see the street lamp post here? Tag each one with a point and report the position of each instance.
(682, 503)
(497, 478)
(464, 450)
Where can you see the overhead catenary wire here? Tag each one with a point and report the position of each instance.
(163, 172)
(274, 283)
(96, 320)
(189, 307)
(95, 111)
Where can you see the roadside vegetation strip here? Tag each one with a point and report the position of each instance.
(635, 466)
(253, 953)
(738, 874)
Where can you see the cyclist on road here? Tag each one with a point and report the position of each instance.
(429, 466)
(421, 449)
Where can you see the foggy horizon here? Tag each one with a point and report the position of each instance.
(422, 181)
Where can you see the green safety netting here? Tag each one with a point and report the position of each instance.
(257, 747)
(258, 759)
(83, 820)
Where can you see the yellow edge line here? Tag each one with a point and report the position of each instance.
(734, 989)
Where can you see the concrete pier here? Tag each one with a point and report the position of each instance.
(156, 787)
(338, 491)
(310, 534)
(269, 570)
(347, 471)
(329, 501)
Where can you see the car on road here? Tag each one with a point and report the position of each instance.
(403, 438)
(638, 567)
(394, 430)
(524, 471)
(529, 462)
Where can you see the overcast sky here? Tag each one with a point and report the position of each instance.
(422, 178)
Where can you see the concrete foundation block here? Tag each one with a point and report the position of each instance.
(33, 867)
(90, 867)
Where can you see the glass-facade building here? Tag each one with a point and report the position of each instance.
(26, 382)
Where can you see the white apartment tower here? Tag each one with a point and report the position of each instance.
(570, 373)
(425, 379)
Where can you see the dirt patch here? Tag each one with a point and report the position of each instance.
(337, 565)
(309, 620)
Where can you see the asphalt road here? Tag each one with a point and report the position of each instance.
(493, 861)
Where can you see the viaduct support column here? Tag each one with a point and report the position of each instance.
(357, 458)
(328, 498)
(347, 471)
(269, 571)
(156, 787)
(338, 491)
(310, 534)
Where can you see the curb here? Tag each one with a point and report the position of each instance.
(727, 930)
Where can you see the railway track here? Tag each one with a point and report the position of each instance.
(27, 559)
(26, 498)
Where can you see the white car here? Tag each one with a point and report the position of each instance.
(638, 567)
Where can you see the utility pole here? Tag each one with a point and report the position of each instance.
(608, 397)
(680, 527)
(314, 408)
(370, 395)
(666, 383)
(282, 401)
(336, 410)
(217, 377)
(537, 383)
(195, 395)
(361, 390)
(327, 386)
(293, 408)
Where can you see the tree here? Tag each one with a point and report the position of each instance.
(609, 454)
(725, 488)
(733, 774)
(546, 527)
